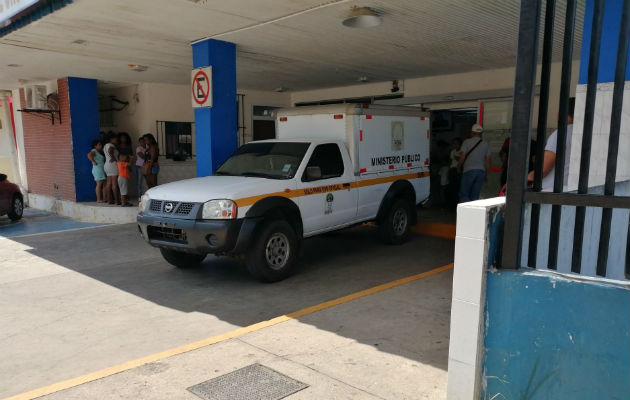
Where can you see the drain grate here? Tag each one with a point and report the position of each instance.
(254, 382)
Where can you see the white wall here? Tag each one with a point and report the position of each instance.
(8, 153)
(257, 98)
(167, 102)
(457, 85)
(148, 103)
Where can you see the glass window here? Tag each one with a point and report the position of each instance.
(275, 160)
(328, 158)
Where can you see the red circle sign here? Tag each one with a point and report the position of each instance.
(200, 87)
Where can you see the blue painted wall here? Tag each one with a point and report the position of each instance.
(550, 338)
(84, 124)
(215, 127)
(610, 41)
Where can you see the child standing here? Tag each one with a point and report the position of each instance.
(98, 161)
(124, 165)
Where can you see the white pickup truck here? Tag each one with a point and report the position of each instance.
(330, 167)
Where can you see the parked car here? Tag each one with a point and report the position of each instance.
(11, 200)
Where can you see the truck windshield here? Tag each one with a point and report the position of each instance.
(275, 160)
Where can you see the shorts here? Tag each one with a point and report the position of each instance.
(98, 173)
(111, 169)
(155, 169)
(123, 185)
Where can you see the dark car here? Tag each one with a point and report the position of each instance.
(11, 200)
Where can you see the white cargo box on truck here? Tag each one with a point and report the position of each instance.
(381, 140)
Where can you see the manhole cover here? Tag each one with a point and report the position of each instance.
(254, 382)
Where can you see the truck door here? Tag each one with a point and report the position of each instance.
(331, 200)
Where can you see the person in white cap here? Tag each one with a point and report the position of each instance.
(475, 163)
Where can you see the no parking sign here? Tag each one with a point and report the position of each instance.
(201, 87)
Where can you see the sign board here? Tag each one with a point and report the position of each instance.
(10, 8)
(201, 87)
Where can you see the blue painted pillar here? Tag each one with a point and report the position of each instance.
(83, 98)
(215, 127)
(610, 42)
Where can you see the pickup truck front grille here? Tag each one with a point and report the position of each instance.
(171, 207)
(156, 205)
(167, 234)
(185, 208)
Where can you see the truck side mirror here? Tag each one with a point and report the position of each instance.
(313, 173)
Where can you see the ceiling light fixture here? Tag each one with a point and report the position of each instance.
(362, 17)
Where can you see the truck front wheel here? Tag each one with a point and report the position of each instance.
(394, 228)
(181, 259)
(272, 255)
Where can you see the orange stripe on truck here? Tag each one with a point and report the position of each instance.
(248, 201)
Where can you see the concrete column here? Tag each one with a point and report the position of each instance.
(215, 127)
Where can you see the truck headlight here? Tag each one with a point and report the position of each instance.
(219, 209)
(143, 203)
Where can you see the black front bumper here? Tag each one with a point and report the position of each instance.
(197, 236)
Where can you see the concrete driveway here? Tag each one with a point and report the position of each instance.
(79, 301)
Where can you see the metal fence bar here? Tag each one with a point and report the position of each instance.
(541, 134)
(613, 142)
(561, 138)
(578, 200)
(524, 88)
(587, 135)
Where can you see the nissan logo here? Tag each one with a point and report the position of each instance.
(168, 207)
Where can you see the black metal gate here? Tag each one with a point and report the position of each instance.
(519, 196)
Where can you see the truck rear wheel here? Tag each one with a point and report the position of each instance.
(394, 228)
(180, 259)
(272, 255)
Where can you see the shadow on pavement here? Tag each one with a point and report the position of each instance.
(331, 266)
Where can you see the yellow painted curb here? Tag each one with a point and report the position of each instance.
(437, 229)
(103, 373)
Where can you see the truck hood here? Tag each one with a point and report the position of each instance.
(199, 190)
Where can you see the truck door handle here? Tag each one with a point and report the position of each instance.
(346, 185)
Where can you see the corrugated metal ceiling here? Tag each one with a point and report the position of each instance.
(297, 44)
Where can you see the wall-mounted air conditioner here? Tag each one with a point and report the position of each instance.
(36, 97)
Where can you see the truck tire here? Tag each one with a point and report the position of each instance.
(273, 253)
(17, 208)
(180, 259)
(394, 228)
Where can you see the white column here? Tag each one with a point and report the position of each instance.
(472, 241)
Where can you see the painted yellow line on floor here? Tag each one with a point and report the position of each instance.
(103, 373)
(437, 229)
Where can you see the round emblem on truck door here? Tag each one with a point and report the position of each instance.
(168, 207)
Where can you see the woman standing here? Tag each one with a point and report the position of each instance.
(140, 153)
(111, 170)
(98, 161)
(151, 157)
